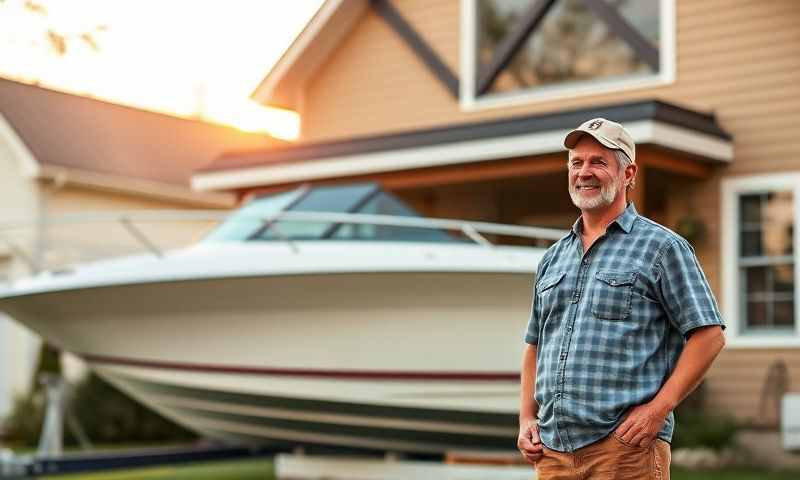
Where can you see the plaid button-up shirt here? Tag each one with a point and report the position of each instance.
(610, 325)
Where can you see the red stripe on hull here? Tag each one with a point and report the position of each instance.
(304, 372)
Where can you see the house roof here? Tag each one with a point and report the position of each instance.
(318, 40)
(650, 122)
(106, 139)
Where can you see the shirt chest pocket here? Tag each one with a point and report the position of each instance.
(548, 293)
(611, 299)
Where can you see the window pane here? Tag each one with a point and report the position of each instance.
(757, 314)
(334, 199)
(751, 244)
(643, 16)
(756, 280)
(784, 314)
(750, 208)
(767, 224)
(383, 204)
(769, 294)
(250, 218)
(571, 44)
(339, 198)
(783, 278)
(496, 18)
(778, 213)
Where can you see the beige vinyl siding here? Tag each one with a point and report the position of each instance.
(73, 243)
(738, 58)
(738, 383)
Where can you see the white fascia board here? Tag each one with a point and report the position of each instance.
(682, 139)
(646, 131)
(29, 166)
(134, 186)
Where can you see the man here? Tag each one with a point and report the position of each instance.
(623, 327)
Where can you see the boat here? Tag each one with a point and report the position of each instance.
(332, 316)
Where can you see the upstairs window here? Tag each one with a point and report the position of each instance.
(547, 48)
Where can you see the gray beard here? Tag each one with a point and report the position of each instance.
(608, 193)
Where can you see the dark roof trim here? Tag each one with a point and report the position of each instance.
(417, 44)
(564, 120)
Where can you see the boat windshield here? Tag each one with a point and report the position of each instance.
(252, 222)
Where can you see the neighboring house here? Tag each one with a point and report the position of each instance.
(460, 108)
(62, 153)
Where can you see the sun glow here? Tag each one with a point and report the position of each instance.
(250, 116)
(188, 58)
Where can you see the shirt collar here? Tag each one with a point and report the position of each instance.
(625, 220)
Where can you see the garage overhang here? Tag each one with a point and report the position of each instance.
(670, 131)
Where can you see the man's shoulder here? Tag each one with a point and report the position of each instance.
(662, 235)
(553, 251)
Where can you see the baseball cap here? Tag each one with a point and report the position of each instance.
(608, 133)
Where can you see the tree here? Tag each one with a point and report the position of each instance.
(59, 41)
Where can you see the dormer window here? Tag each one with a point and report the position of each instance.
(524, 50)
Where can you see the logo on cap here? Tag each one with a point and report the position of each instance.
(595, 125)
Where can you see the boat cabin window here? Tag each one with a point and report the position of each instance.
(252, 222)
(251, 217)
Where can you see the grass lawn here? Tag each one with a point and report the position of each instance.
(731, 474)
(252, 469)
(261, 469)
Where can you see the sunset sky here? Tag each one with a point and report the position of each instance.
(186, 57)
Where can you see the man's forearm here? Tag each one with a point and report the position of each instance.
(699, 352)
(528, 408)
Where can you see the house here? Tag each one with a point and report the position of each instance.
(66, 154)
(460, 106)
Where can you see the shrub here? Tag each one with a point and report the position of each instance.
(107, 415)
(699, 429)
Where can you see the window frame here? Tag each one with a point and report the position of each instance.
(469, 101)
(730, 260)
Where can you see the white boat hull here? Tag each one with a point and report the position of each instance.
(406, 361)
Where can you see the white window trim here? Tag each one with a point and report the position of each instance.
(469, 38)
(731, 189)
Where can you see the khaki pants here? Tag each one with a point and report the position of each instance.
(606, 459)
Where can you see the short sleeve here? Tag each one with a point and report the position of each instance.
(684, 290)
(532, 332)
(534, 319)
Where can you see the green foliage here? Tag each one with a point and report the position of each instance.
(250, 469)
(678, 473)
(109, 416)
(24, 424)
(698, 429)
(106, 415)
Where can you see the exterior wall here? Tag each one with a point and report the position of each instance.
(737, 58)
(19, 200)
(66, 244)
(69, 243)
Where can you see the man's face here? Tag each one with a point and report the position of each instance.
(595, 176)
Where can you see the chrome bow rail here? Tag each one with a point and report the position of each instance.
(130, 221)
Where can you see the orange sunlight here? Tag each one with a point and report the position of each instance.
(183, 57)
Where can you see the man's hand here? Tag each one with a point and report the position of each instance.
(642, 424)
(528, 441)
